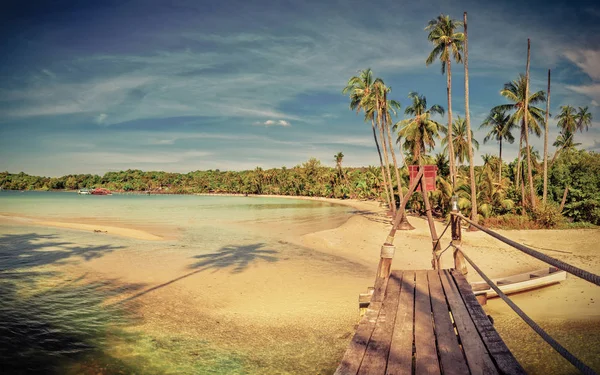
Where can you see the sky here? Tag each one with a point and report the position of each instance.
(98, 86)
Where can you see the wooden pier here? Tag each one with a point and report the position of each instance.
(429, 322)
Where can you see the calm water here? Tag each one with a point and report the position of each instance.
(54, 320)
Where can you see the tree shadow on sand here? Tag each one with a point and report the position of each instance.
(238, 258)
(49, 321)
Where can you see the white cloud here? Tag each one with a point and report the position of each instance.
(283, 123)
(101, 118)
(587, 60)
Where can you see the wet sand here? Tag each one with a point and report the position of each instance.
(295, 311)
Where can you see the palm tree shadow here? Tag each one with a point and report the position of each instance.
(238, 257)
(48, 320)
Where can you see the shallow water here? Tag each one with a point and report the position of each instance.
(81, 302)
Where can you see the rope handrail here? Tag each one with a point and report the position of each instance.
(581, 273)
(585, 369)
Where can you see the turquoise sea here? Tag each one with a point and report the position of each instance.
(208, 298)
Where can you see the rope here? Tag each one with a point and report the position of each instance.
(587, 276)
(586, 370)
(441, 235)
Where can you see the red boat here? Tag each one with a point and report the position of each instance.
(100, 191)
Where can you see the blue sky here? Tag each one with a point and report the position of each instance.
(91, 87)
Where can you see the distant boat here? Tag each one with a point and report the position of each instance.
(100, 191)
(521, 282)
(97, 191)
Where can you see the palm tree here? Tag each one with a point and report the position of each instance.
(338, 162)
(447, 42)
(461, 142)
(419, 132)
(567, 119)
(500, 125)
(515, 91)
(564, 142)
(584, 119)
(545, 192)
(388, 108)
(359, 89)
(468, 128)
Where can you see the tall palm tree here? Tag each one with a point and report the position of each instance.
(515, 91)
(339, 157)
(584, 119)
(545, 192)
(460, 140)
(500, 125)
(447, 45)
(470, 139)
(388, 108)
(420, 131)
(359, 89)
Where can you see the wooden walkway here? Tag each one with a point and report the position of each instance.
(428, 322)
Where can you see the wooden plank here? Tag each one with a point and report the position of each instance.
(401, 349)
(504, 359)
(375, 359)
(356, 350)
(426, 359)
(478, 359)
(452, 360)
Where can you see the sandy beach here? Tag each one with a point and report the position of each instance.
(315, 290)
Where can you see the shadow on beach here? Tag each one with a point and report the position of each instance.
(238, 258)
(49, 322)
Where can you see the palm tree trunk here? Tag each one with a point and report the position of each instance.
(518, 176)
(387, 163)
(398, 181)
(545, 194)
(450, 140)
(529, 171)
(387, 193)
(468, 122)
(500, 166)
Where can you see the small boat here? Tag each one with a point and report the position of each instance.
(521, 282)
(84, 192)
(100, 191)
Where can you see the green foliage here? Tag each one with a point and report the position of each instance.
(580, 171)
(547, 216)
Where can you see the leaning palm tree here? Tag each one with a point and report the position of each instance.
(500, 125)
(447, 45)
(584, 119)
(387, 108)
(359, 88)
(420, 131)
(460, 140)
(515, 91)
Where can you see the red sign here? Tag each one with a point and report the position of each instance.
(429, 174)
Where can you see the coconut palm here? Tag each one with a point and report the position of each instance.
(420, 131)
(460, 139)
(447, 45)
(584, 119)
(515, 91)
(567, 119)
(388, 108)
(500, 125)
(359, 89)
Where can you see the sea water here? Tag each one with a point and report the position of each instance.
(56, 318)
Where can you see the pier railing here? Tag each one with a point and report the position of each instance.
(459, 263)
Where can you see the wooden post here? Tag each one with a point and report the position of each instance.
(434, 238)
(459, 260)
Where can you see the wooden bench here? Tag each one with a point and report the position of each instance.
(428, 322)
